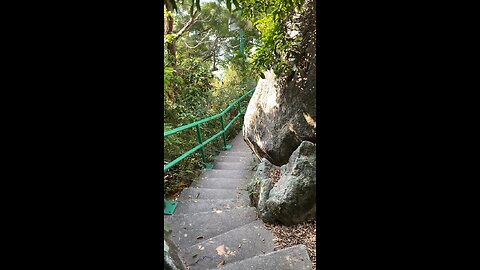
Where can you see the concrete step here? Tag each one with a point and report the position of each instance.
(210, 193)
(239, 146)
(207, 205)
(220, 183)
(238, 142)
(230, 165)
(235, 157)
(239, 173)
(241, 160)
(291, 258)
(239, 244)
(186, 229)
(230, 153)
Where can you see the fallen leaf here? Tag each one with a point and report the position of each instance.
(194, 255)
(200, 237)
(221, 250)
(220, 264)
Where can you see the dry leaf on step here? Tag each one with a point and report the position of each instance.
(221, 250)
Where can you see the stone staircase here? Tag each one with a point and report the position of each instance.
(214, 226)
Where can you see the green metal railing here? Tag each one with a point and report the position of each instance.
(201, 142)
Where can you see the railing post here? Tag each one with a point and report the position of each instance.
(225, 145)
(200, 141)
(239, 113)
(199, 137)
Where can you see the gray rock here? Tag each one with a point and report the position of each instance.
(282, 111)
(260, 185)
(293, 199)
(171, 260)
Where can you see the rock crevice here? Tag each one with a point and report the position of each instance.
(292, 199)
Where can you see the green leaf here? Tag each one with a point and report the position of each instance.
(229, 5)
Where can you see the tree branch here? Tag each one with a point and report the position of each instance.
(212, 49)
(209, 18)
(185, 28)
(200, 42)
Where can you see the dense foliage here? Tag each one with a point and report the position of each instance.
(272, 19)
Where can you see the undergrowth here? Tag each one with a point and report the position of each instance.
(192, 93)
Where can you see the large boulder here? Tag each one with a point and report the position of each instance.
(292, 199)
(282, 111)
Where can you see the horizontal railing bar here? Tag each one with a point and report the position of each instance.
(175, 130)
(239, 99)
(231, 122)
(186, 154)
(196, 123)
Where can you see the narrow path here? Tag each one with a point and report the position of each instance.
(214, 226)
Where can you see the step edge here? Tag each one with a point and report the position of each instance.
(227, 210)
(272, 253)
(183, 252)
(257, 220)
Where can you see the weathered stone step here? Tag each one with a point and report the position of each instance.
(207, 205)
(239, 146)
(238, 142)
(220, 183)
(230, 165)
(236, 157)
(186, 229)
(291, 258)
(241, 160)
(230, 153)
(226, 174)
(210, 193)
(241, 243)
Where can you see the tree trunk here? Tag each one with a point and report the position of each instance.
(168, 21)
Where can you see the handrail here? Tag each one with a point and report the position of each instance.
(196, 124)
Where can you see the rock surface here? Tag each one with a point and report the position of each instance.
(260, 179)
(260, 188)
(292, 199)
(171, 260)
(282, 111)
